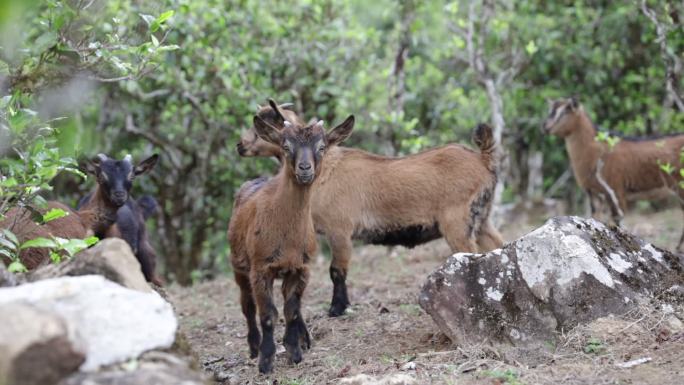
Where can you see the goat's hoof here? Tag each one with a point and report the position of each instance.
(265, 364)
(294, 353)
(253, 353)
(305, 339)
(337, 309)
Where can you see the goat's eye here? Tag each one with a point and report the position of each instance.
(321, 149)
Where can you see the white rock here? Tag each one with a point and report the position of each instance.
(108, 322)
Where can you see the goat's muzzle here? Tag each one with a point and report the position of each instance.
(119, 198)
(305, 178)
(241, 149)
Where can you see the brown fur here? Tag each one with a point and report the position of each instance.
(272, 235)
(630, 169)
(80, 224)
(443, 191)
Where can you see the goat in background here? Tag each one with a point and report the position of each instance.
(630, 170)
(441, 192)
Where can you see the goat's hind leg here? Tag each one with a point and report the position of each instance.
(262, 285)
(454, 226)
(341, 254)
(249, 310)
(297, 336)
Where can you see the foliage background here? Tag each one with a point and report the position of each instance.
(127, 76)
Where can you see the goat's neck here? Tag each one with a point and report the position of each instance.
(583, 150)
(99, 213)
(292, 201)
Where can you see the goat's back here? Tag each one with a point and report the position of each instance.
(368, 191)
(635, 164)
(20, 222)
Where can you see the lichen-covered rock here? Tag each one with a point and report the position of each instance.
(152, 368)
(569, 271)
(107, 322)
(6, 278)
(111, 258)
(34, 346)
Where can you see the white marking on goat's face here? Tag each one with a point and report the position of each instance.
(558, 122)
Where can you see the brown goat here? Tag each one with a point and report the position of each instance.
(631, 169)
(442, 192)
(95, 217)
(272, 235)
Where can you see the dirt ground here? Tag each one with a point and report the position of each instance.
(386, 333)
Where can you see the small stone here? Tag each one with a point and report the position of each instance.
(409, 366)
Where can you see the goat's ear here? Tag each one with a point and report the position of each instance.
(280, 119)
(266, 131)
(146, 165)
(574, 102)
(340, 133)
(89, 166)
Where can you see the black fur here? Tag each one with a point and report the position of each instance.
(479, 210)
(340, 299)
(408, 236)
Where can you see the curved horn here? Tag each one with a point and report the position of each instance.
(319, 124)
(102, 156)
(287, 106)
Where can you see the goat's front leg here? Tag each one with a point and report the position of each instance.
(296, 335)
(341, 246)
(262, 285)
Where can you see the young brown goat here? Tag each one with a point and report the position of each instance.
(442, 192)
(272, 235)
(629, 170)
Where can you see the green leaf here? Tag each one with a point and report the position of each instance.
(10, 235)
(91, 240)
(73, 246)
(165, 16)
(8, 182)
(155, 42)
(54, 214)
(55, 257)
(16, 267)
(7, 244)
(6, 253)
(39, 242)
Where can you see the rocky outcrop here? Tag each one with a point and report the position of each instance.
(35, 346)
(111, 258)
(569, 271)
(107, 322)
(151, 368)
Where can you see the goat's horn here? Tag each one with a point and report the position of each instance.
(286, 106)
(320, 123)
(287, 124)
(128, 158)
(102, 156)
(258, 107)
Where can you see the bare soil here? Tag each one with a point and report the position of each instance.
(386, 333)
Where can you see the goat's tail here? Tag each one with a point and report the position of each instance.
(483, 137)
(148, 205)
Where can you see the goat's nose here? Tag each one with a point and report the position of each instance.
(119, 194)
(304, 166)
